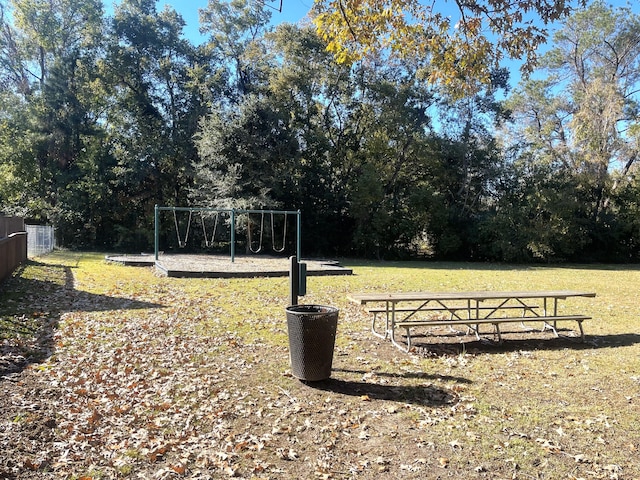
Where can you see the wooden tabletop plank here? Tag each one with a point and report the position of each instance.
(363, 298)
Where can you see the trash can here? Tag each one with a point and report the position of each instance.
(312, 336)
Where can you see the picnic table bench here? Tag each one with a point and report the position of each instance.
(408, 310)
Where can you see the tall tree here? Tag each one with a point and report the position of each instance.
(244, 137)
(585, 114)
(153, 73)
(236, 30)
(48, 53)
(599, 49)
(468, 166)
(390, 191)
(319, 96)
(244, 156)
(575, 136)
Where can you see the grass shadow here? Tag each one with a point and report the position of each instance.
(434, 265)
(485, 266)
(422, 375)
(344, 382)
(424, 395)
(31, 309)
(450, 346)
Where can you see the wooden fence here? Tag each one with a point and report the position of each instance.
(13, 251)
(9, 225)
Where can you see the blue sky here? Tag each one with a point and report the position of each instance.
(295, 10)
(292, 11)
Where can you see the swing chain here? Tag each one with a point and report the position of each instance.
(208, 243)
(250, 236)
(182, 243)
(284, 235)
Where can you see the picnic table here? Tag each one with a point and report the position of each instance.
(407, 310)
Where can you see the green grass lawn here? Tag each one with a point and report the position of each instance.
(189, 378)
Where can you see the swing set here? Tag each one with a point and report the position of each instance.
(255, 238)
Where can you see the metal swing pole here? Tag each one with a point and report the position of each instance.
(156, 239)
(233, 235)
(297, 269)
(298, 235)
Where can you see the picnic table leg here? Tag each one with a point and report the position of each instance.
(373, 324)
(497, 332)
(581, 330)
(452, 314)
(548, 326)
(405, 348)
(471, 314)
(555, 331)
(525, 308)
(451, 329)
(392, 320)
(555, 314)
(544, 314)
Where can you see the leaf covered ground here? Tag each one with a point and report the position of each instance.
(109, 371)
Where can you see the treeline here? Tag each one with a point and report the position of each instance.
(103, 117)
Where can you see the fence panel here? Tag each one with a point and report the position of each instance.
(9, 225)
(13, 251)
(41, 240)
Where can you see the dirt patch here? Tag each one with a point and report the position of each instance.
(221, 266)
(32, 302)
(27, 427)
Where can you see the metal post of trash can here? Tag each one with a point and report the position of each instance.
(297, 280)
(294, 280)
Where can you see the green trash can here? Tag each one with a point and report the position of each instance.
(312, 336)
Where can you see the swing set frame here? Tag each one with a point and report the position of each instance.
(233, 215)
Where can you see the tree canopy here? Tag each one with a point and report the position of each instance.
(460, 42)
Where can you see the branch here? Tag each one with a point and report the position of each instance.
(630, 161)
(346, 19)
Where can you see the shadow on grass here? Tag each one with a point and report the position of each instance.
(445, 346)
(428, 376)
(30, 312)
(433, 265)
(489, 266)
(426, 395)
